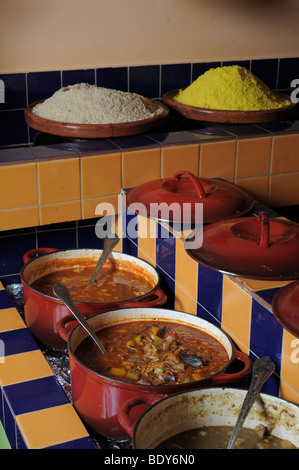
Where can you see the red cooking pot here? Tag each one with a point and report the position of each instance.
(42, 312)
(98, 399)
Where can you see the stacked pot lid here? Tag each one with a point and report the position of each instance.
(251, 247)
(219, 199)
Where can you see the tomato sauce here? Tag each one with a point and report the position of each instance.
(154, 353)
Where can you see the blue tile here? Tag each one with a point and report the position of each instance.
(246, 130)
(133, 141)
(16, 342)
(200, 68)
(266, 70)
(83, 443)
(42, 85)
(281, 127)
(51, 151)
(15, 91)
(172, 138)
(5, 301)
(175, 76)
(288, 70)
(242, 63)
(209, 291)
(144, 80)
(61, 239)
(95, 146)
(13, 128)
(267, 294)
(33, 395)
(87, 238)
(72, 77)
(21, 154)
(165, 263)
(113, 77)
(12, 250)
(9, 425)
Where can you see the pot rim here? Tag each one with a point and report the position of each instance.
(56, 300)
(213, 390)
(160, 388)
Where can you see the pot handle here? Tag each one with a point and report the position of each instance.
(160, 299)
(244, 367)
(123, 415)
(36, 252)
(65, 325)
(196, 182)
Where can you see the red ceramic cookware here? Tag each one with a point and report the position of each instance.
(219, 199)
(42, 312)
(252, 247)
(98, 398)
(285, 306)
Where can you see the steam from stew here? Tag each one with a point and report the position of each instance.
(113, 283)
(153, 353)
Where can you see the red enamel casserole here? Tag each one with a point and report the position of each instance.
(43, 311)
(98, 398)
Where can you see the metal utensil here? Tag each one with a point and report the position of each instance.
(109, 244)
(64, 295)
(261, 371)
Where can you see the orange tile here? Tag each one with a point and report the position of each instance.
(10, 319)
(23, 367)
(140, 166)
(99, 206)
(101, 175)
(289, 388)
(58, 180)
(186, 270)
(19, 218)
(184, 302)
(236, 301)
(284, 190)
(50, 426)
(181, 157)
(217, 160)
(18, 186)
(62, 212)
(253, 157)
(285, 154)
(147, 239)
(257, 187)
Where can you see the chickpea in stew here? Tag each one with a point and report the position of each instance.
(154, 353)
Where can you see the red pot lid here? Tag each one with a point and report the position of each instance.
(285, 306)
(221, 200)
(252, 247)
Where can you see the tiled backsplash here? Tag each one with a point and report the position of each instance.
(151, 81)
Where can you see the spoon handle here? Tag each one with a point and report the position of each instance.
(261, 370)
(109, 244)
(63, 294)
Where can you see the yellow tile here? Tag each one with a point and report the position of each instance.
(140, 166)
(19, 218)
(217, 160)
(183, 301)
(50, 426)
(1, 286)
(22, 367)
(181, 157)
(18, 186)
(186, 270)
(236, 313)
(257, 186)
(63, 212)
(253, 157)
(285, 154)
(289, 388)
(147, 239)
(258, 284)
(99, 206)
(284, 190)
(58, 180)
(101, 175)
(10, 320)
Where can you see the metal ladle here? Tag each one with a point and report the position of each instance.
(64, 295)
(261, 371)
(109, 244)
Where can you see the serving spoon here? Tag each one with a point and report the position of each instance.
(261, 371)
(64, 295)
(109, 244)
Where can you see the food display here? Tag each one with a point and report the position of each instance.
(112, 283)
(231, 88)
(217, 437)
(154, 353)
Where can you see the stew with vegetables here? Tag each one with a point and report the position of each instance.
(113, 284)
(217, 437)
(154, 353)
